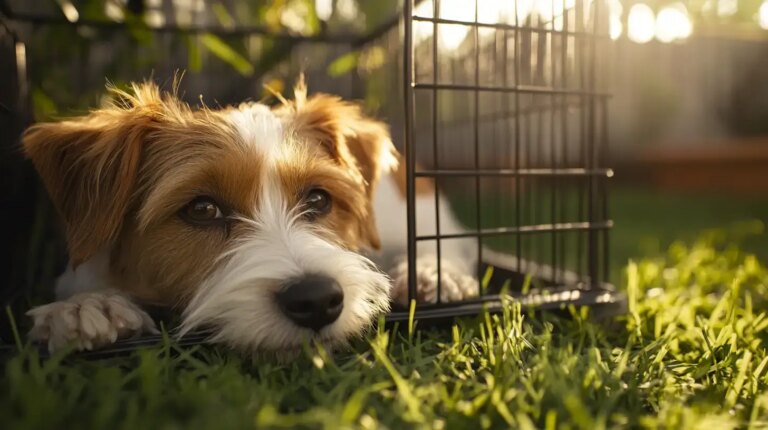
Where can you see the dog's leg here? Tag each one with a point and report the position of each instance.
(89, 320)
(455, 283)
(88, 314)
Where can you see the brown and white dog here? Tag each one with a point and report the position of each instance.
(248, 220)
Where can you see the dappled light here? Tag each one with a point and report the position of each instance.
(763, 15)
(641, 23)
(727, 8)
(673, 23)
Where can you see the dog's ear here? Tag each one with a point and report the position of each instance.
(356, 141)
(370, 144)
(90, 166)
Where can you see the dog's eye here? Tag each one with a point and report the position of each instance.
(202, 210)
(317, 202)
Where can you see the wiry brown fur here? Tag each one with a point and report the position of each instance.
(90, 166)
(308, 168)
(354, 141)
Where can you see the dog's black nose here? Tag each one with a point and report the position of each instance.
(312, 301)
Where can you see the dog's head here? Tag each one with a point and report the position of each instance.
(248, 219)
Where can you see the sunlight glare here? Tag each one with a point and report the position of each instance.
(450, 36)
(727, 7)
(615, 26)
(154, 18)
(347, 10)
(763, 15)
(524, 8)
(641, 23)
(324, 9)
(113, 11)
(70, 11)
(547, 9)
(673, 23)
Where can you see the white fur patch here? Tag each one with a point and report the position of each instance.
(258, 126)
(390, 208)
(458, 257)
(92, 275)
(238, 299)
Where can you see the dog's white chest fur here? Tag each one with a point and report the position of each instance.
(457, 256)
(93, 275)
(391, 219)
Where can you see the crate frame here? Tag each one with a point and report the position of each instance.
(593, 289)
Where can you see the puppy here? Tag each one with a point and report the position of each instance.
(255, 222)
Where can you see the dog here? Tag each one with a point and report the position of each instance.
(263, 224)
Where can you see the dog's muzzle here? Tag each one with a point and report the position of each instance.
(311, 301)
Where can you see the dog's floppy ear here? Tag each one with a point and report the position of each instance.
(353, 139)
(90, 165)
(370, 144)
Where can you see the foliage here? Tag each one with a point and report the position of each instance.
(690, 353)
(84, 56)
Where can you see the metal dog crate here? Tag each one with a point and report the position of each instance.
(512, 122)
(499, 105)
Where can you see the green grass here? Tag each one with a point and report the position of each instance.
(690, 353)
(647, 221)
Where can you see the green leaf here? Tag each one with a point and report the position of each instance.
(44, 106)
(138, 30)
(226, 53)
(344, 64)
(223, 15)
(194, 60)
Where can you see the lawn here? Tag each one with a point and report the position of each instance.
(647, 221)
(690, 353)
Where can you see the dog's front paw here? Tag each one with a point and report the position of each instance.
(88, 321)
(455, 283)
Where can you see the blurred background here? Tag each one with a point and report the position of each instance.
(685, 129)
